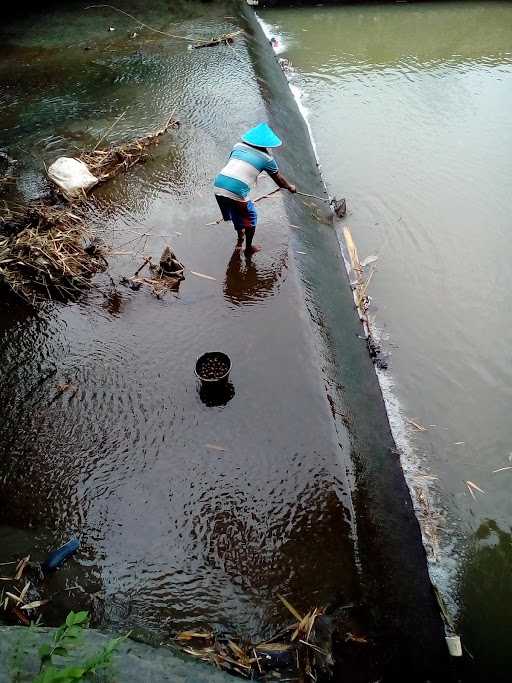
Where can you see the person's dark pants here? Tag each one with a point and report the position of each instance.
(242, 214)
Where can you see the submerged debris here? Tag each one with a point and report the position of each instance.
(375, 351)
(20, 599)
(339, 207)
(169, 265)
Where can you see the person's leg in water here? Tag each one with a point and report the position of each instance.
(229, 212)
(250, 220)
(250, 249)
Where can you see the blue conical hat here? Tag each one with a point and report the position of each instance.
(262, 136)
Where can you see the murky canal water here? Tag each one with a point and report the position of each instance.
(410, 110)
(188, 514)
(192, 514)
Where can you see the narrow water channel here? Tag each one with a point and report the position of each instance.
(409, 107)
(189, 514)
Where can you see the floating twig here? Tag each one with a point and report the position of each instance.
(206, 277)
(416, 425)
(472, 486)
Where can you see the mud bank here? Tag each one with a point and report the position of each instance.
(192, 514)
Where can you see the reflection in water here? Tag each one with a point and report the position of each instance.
(249, 281)
(114, 302)
(486, 591)
(216, 396)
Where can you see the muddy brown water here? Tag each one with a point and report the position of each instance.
(409, 107)
(187, 513)
(192, 513)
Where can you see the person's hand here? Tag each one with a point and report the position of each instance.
(292, 189)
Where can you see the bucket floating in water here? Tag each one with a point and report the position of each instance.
(213, 368)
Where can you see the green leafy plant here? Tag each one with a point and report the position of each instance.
(66, 638)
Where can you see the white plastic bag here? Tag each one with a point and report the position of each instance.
(71, 175)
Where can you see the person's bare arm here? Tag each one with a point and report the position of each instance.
(280, 180)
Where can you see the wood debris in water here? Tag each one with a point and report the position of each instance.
(166, 276)
(301, 650)
(19, 599)
(109, 162)
(45, 249)
(226, 39)
(360, 286)
(472, 487)
(419, 427)
(205, 277)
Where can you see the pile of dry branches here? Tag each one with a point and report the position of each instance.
(19, 599)
(43, 248)
(296, 649)
(48, 257)
(106, 163)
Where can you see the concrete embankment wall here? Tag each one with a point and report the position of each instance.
(133, 662)
(394, 576)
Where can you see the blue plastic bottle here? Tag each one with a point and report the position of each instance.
(57, 557)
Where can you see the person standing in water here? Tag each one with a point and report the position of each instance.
(233, 184)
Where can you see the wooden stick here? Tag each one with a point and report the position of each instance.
(108, 130)
(258, 199)
(146, 261)
(313, 196)
(227, 39)
(265, 196)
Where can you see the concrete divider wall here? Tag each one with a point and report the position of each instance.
(132, 662)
